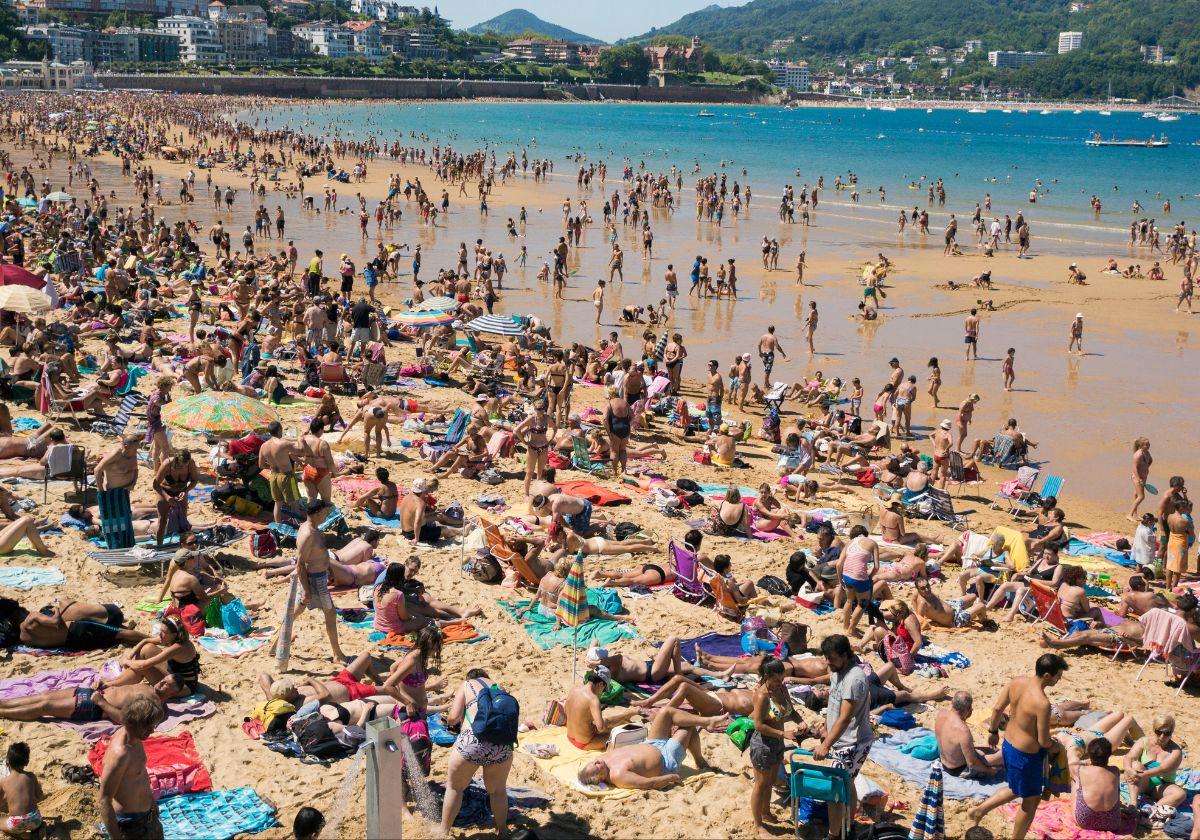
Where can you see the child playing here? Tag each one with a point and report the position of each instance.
(20, 792)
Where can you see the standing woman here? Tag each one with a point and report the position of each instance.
(856, 568)
(774, 719)
(618, 422)
(156, 430)
(470, 753)
(558, 379)
(1141, 472)
(533, 432)
(408, 677)
(195, 305)
(935, 380)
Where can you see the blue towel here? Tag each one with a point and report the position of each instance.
(26, 424)
(438, 733)
(216, 815)
(1079, 548)
(886, 752)
(24, 579)
(384, 523)
(717, 644)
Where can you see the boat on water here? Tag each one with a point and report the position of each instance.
(887, 107)
(977, 111)
(1045, 111)
(1166, 116)
(928, 110)
(1149, 115)
(1151, 143)
(1023, 111)
(1006, 110)
(706, 114)
(1106, 113)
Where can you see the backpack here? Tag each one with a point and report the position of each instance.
(314, 737)
(774, 585)
(417, 732)
(497, 714)
(625, 530)
(262, 543)
(484, 568)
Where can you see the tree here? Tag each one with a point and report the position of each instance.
(626, 64)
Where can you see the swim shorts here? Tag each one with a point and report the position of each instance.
(318, 591)
(356, 688)
(284, 487)
(671, 751)
(85, 634)
(1025, 771)
(86, 711)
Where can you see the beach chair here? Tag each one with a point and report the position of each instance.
(336, 377)
(938, 506)
(774, 397)
(1168, 639)
(371, 376)
(1051, 486)
(116, 518)
(65, 461)
(581, 460)
(957, 472)
(724, 603)
(335, 521)
(819, 782)
(391, 373)
(1002, 454)
(688, 585)
(1046, 606)
(117, 425)
(504, 553)
(1018, 488)
(435, 449)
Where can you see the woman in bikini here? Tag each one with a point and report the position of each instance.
(771, 516)
(1151, 766)
(408, 680)
(731, 517)
(151, 660)
(533, 431)
(558, 390)
(382, 501)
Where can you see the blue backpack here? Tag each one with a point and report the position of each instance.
(497, 714)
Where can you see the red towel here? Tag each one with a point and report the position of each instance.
(172, 761)
(594, 493)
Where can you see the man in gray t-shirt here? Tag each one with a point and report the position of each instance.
(848, 733)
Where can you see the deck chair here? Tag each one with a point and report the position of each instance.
(371, 376)
(688, 585)
(117, 425)
(1051, 486)
(1046, 606)
(957, 472)
(939, 507)
(723, 600)
(391, 373)
(581, 460)
(774, 397)
(1018, 488)
(65, 461)
(434, 449)
(116, 518)
(336, 376)
(503, 552)
(820, 783)
(1002, 454)
(335, 521)
(138, 555)
(1180, 653)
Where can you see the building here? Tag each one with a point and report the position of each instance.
(781, 44)
(130, 44)
(365, 39)
(242, 39)
(219, 11)
(1153, 53)
(297, 9)
(690, 59)
(415, 42)
(790, 76)
(935, 50)
(383, 10)
(1011, 58)
(1068, 41)
(973, 45)
(540, 51)
(43, 75)
(104, 7)
(324, 38)
(199, 38)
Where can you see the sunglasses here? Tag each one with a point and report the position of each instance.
(1164, 731)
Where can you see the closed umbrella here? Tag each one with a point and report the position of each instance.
(442, 302)
(929, 823)
(219, 413)
(497, 324)
(60, 196)
(24, 300)
(573, 607)
(424, 320)
(15, 275)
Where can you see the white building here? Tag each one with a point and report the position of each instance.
(199, 40)
(1011, 58)
(366, 39)
(383, 9)
(790, 76)
(1068, 41)
(972, 45)
(43, 75)
(325, 38)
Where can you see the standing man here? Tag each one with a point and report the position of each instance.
(950, 233)
(312, 568)
(1076, 342)
(810, 325)
(768, 346)
(971, 339)
(276, 455)
(716, 393)
(848, 733)
(1027, 741)
(116, 474)
(127, 803)
(360, 318)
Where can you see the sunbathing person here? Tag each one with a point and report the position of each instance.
(956, 742)
(1128, 633)
(382, 501)
(550, 588)
(891, 525)
(192, 581)
(791, 650)
(353, 564)
(912, 567)
(87, 704)
(958, 612)
(570, 511)
(153, 659)
(587, 725)
(33, 446)
(650, 574)
(882, 697)
(859, 447)
(561, 541)
(75, 625)
(1114, 727)
(24, 528)
(346, 685)
(628, 669)
(655, 763)
(1077, 610)
(901, 623)
(1137, 599)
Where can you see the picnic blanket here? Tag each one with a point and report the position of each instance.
(216, 815)
(1055, 820)
(1079, 548)
(179, 711)
(546, 632)
(28, 650)
(886, 752)
(594, 493)
(172, 761)
(25, 578)
(718, 644)
(237, 645)
(15, 687)
(566, 765)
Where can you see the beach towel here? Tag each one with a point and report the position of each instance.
(24, 579)
(1014, 544)
(570, 759)
(1108, 539)
(200, 494)
(1078, 548)
(116, 518)
(594, 493)
(54, 680)
(174, 765)
(718, 644)
(366, 624)
(942, 656)
(353, 485)
(216, 815)
(380, 522)
(26, 424)
(1055, 820)
(237, 645)
(462, 632)
(887, 753)
(26, 650)
(710, 489)
(151, 607)
(179, 711)
(546, 632)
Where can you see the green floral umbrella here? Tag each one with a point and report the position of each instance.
(219, 413)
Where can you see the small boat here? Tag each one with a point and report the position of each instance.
(1167, 117)
(1077, 111)
(1106, 113)
(1151, 143)
(1045, 111)
(1006, 110)
(1149, 115)
(1023, 111)
(706, 114)
(928, 110)
(977, 111)
(887, 107)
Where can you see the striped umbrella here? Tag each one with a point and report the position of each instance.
(24, 300)
(929, 823)
(443, 303)
(573, 607)
(425, 318)
(497, 324)
(219, 413)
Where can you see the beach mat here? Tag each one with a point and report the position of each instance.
(216, 815)
(570, 759)
(886, 753)
(24, 578)
(1055, 820)
(594, 493)
(179, 711)
(172, 761)
(546, 632)
(237, 645)
(1078, 548)
(15, 687)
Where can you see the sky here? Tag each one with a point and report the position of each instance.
(607, 20)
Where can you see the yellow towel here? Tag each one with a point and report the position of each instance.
(1014, 544)
(570, 760)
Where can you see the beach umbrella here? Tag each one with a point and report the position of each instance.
(425, 319)
(497, 324)
(660, 349)
(443, 303)
(24, 300)
(929, 823)
(573, 607)
(15, 275)
(219, 413)
(60, 196)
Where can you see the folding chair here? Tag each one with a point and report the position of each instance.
(503, 552)
(939, 506)
(434, 449)
(1018, 488)
(1051, 486)
(1047, 606)
(581, 460)
(1002, 454)
(723, 600)
(958, 472)
(116, 518)
(117, 425)
(688, 585)
(822, 783)
(63, 461)
(1176, 650)
(336, 376)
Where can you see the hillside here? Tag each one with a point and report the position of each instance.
(520, 22)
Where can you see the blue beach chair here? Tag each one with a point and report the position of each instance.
(821, 783)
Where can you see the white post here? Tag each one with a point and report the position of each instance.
(385, 768)
(283, 645)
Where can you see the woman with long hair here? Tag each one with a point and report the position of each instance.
(408, 679)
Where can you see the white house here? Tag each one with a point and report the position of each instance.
(199, 40)
(325, 38)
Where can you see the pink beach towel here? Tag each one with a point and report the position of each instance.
(172, 761)
(1164, 631)
(1055, 820)
(54, 680)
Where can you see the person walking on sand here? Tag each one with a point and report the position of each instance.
(962, 422)
(768, 346)
(1141, 473)
(598, 299)
(810, 325)
(1027, 742)
(312, 567)
(971, 339)
(1006, 368)
(1076, 342)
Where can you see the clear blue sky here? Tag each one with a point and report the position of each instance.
(608, 20)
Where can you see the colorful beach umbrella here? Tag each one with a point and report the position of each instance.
(929, 823)
(496, 324)
(442, 302)
(573, 607)
(15, 275)
(23, 300)
(219, 413)
(60, 196)
(425, 319)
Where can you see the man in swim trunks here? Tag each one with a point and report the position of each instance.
(956, 743)
(1027, 742)
(569, 511)
(768, 346)
(77, 626)
(312, 566)
(587, 725)
(126, 801)
(86, 704)
(277, 456)
(655, 763)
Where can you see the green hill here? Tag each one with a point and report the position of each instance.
(520, 22)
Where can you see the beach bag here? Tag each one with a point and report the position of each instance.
(417, 732)
(897, 652)
(702, 456)
(483, 567)
(605, 599)
(193, 620)
(556, 461)
(212, 616)
(626, 734)
(774, 585)
(262, 543)
(625, 530)
(234, 618)
(866, 478)
(497, 715)
(739, 732)
(556, 714)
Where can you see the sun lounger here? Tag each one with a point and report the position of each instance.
(1051, 486)
(938, 506)
(117, 425)
(581, 460)
(503, 552)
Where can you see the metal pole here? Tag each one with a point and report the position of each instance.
(283, 646)
(385, 769)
